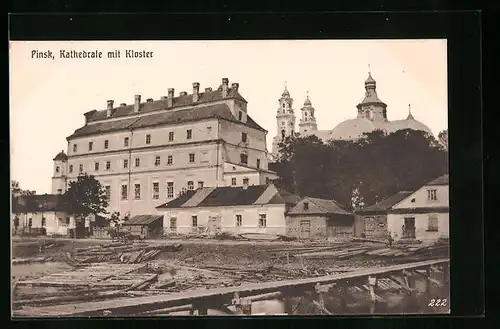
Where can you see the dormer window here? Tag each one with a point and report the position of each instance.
(306, 206)
(240, 115)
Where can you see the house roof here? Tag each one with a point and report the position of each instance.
(142, 220)
(38, 203)
(61, 156)
(227, 196)
(442, 180)
(386, 204)
(322, 206)
(221, 111)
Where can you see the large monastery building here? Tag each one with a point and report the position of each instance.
(145, 153)
(371, 115)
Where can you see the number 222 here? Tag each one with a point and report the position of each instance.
(437, 302)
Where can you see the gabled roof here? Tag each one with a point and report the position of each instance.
(442, 180)
(229, 196)
(39, 203)
(142, 220)
(221, 111)
(318, 206)
(386, 204)
(61, 156)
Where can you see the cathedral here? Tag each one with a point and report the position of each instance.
(371, 115)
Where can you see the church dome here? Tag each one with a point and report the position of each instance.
(409, 123)
(352, 129)
(307, 102)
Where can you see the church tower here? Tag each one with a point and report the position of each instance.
(371, 107)
(308, 125)
(285, 119)
(59, 176)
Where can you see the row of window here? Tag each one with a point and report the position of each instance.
(126, 140)
(124, 195)
(432, 224)
(238, 221)
(44, 221)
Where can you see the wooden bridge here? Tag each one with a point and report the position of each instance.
(241, 297)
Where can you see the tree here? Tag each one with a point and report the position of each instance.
(84, 197)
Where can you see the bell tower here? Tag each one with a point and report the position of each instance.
(285, 120)
(308, 123)
(59, 176)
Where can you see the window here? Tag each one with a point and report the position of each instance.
(156, 190)
(369, 224)
(125, 141)
(194, 221)
(124, 192)
(108, 165)
(190, 185)
(59, 190)
(432, 195)
(70, 168)
(240, 115)
(108, 192)
(137, 191)
(189, 134)
(96, 166)
(433, 224)
(44, 221)
(75, 147)
(204, 157)
(57, 169)
(157, 161)
(170, 160)
(244, 137)
(306, 206)
(148, 139)
(81, 168)
(268, 180)
(170, 190)
(191, 157)
(106, 144)
(68, 220)
(137, 162)
(262, 220)
(258, 163)
(243, 158)
(91, 144)
(125, 163)
(200, 184)
(239, 220)
(30, 222)
(233, 181)
(171, 136)
(245, 181)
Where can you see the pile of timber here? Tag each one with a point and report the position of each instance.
(123, 252)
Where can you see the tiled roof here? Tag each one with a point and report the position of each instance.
(227, 196)
(182, 100)
(61, 156)
(142, 220)
(165, 117)
(386, 204)
(442, 180)
(38, 203)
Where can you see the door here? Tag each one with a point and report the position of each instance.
(305, 229)
(409, 228)
(173, 224)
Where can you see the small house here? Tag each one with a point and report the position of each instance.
(148, 226)
(233, 209)
(319, 218)
(371, 221)
(424, 214)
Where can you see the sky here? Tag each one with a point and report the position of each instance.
(48, 96)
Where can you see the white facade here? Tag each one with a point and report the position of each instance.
(55, 223)
(427, 208)
(250, 218)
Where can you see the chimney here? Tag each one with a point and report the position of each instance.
(225, 83)
(208, 89)
(235, 86)
(170, 97)
(123, 104)
(109, 108)
(137, 103)
(149, 100)
(183, 93)
(196, 91)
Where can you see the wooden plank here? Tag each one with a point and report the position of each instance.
(143, 304)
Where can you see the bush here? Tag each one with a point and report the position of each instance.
(224, 236)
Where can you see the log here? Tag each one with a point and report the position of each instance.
(72, 298)
(151, 279)
(167, 284)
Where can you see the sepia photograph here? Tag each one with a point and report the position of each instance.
(229, 178)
